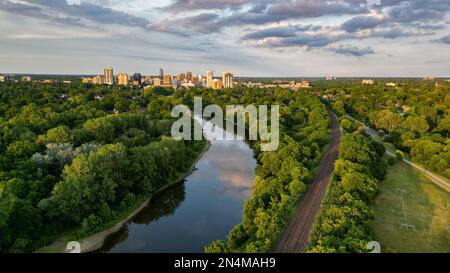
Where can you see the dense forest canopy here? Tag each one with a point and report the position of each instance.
(414, 116)
(77, 156)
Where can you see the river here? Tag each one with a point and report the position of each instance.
(190, 215)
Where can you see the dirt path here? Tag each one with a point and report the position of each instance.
(297, 234)
(441, 182)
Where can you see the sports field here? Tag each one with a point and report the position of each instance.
(412, 214)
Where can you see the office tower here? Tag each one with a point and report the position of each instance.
(122, 79)
(209, 78)
(97, 80)
(160, 73)
(189, 77)
(227, 80)
(137, 77)
(167, 80)
(109, 76)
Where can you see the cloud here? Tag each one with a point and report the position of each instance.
(352, 50)
(289, 31)
(60, 11)
(417, 10)
(201, 23)
(190, 5)
(362, 22)
(445, 40)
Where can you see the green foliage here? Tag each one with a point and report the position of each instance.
(345, 222)
(80, 162)
(416, 115)
(282, 175)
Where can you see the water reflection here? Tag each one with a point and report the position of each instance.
(190, 215)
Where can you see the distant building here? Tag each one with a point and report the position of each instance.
(4, 78)
(429, 78)
(303, 84)
(98, 80)
(86, 80)
(196, 80)
(189, 77)
(209, 79)
(368, 82)
(391, 84)
(156, 82)
(330, 78)
(26, 79)
(109, 76)
(217, 84)
(175, 83)
(187, 85)
(122, 79)
(47, 81)
(181, 77)
(160, 73)
(227, 80)
(167, 80)
(137, 77)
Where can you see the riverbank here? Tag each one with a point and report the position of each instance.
(96, 241)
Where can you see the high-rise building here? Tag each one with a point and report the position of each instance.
(217, 84)
(137, 77)
(227, 80)
(167, 80)
(209, 78)
(189, 77)
(97, 80)
(122, 79)
(160, 73)
(109, 75)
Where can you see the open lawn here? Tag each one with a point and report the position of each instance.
(412, 214)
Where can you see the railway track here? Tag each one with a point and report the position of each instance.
(296, 236)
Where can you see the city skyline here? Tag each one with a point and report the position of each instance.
(343, 38)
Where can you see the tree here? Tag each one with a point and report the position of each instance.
(58, 135)
(387, 120)
(416, 124)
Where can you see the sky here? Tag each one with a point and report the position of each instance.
(278, 38)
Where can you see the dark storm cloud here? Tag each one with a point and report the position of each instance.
(352, 50)
(60, 11)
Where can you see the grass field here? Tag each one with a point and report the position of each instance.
(427, 210)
